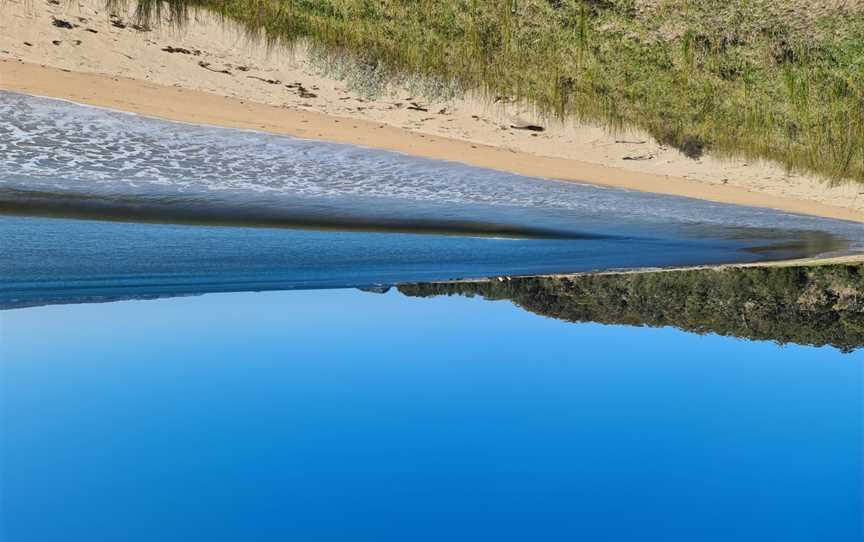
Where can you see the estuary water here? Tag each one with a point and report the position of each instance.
(51, 260)
(101, 203)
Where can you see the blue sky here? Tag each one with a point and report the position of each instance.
(335, 415)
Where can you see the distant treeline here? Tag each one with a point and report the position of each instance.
(818, 306)
(761, 79)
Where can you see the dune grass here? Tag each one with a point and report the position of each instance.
(758, 79)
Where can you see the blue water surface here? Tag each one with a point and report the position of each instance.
(343, 415)
(50, 260)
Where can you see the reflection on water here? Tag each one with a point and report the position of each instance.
(62, 260)
(342, 415)
(819, 305)
(51, 261)
(66, 261)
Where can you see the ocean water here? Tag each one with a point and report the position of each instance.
(348, 416)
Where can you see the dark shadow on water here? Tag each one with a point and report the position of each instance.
(244, 211)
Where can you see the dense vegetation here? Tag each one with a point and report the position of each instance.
(760, 79)
(822, 305)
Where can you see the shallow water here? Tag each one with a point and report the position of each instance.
(65, 159)
(343, 415)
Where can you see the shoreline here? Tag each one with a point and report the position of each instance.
(197, 107)
(212, 72)
(816, 261)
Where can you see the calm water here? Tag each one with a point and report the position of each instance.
(49, 260)
(343, 415)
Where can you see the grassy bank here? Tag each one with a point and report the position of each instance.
(814, 305)
(754, 78)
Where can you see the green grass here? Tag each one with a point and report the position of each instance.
(808, 305)
(757, 79)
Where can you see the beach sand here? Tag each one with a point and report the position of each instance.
(211, 73)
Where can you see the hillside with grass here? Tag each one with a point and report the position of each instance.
(757, 79)
(816, 306)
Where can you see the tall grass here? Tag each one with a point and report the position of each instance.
(758, 79)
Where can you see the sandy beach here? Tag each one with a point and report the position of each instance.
(211, 73)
